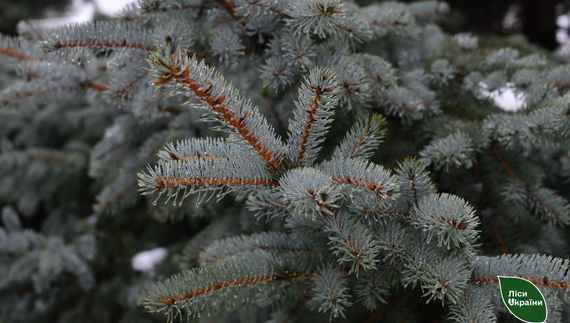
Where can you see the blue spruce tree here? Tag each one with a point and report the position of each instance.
(297, 161)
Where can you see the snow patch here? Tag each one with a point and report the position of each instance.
(79, 11)
(563, 21)
(505, 97)
(112, 7)
(145, 261)
(82, 11)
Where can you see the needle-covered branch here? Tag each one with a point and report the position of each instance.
(222, 99)
(318, 97)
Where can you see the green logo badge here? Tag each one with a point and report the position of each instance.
(523, 299)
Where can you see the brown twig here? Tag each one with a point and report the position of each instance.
(503, 163)
(498, 235)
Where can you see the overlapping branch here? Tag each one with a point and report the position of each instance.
(318, 96)
(223, 100)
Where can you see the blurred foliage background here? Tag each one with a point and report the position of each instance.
(533, 18)
(12, 11)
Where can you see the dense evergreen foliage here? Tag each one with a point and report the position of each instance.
(278, 161)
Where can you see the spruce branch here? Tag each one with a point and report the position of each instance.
(360, 176)
(21, 50)
(427, 11)
(392, 238)
(560, 115)
(125, 89)
(237, 275)
(147, 8)
(503, 162)
(38, 88)
(67, 159)
(370, 206)
(118, 138)
(507, 130)
(498, 235)
(185, 290)
(356, 85)
(331, 292)
(222, 99)
(271, 5)
(15, 94)
(475, 307)
(258, 16)
(274, 242)
(98, 35)
(318, 96)
(268, 203)
(291, 56)
(118, 195)
(219, 228)
(550, 206)
(452, 151)
(383, 76)
(447, 217)
(403, 103)
(277, 73)
(309, 192)
(363, 138)
(205, 149)
(229, 7)
(327, 18)
(39, 259)
(16, 54)
(446, 279)
(541, 270)
(372, 288)
(298, 50)
(414, 179)
(388, 18)
(43, 79)
(197, 176)
(351, 242)
(226, 46)
(416, 257)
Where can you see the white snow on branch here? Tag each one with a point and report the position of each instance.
(81, 11)
(145, 261)
(112, 7)
(505, 97)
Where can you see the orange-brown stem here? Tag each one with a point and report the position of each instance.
(16, 54)
(216, 104)
(503, 163)
(102, 43)
(498, 236)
